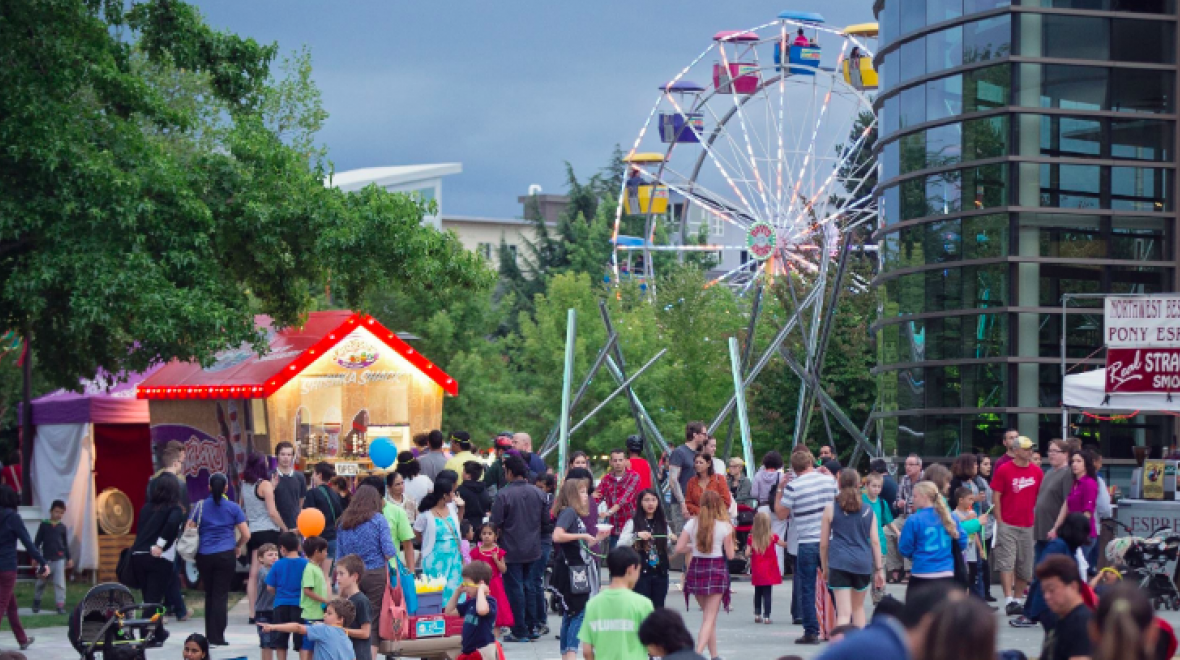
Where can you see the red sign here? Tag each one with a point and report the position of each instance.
(1143, 370)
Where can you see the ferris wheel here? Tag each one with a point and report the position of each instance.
(755, 154)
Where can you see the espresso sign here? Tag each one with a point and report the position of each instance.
(1143, 370)
(1142, 321)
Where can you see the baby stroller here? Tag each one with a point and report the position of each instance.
(1150, 562)
(104, 622)
(742, 526)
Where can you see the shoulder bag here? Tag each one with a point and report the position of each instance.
(190, 540)
(577, 582)
(123, 570)
(960, 565)
(394, 621)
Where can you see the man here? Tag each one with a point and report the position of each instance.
(803, 502)
(1055, 487)
(172, 467)
(826, 453)
(519, 512)
(888, 483)
(618, 489)
(523, 443)
(1016, 485)
(477, 502)
(638, 464)
(1061, 585)
(400, 529)
(1036, 460)
(291, 487)
(896, 566)
(494, 478)
(681, 470)
(325, 499)
(434, 460)
(461, 440)
(1009, 437)
(902, 638)
(610, 623)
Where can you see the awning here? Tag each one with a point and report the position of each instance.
(1088, 390)
(103, 400)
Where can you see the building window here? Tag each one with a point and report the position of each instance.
(485, 250)
(512, 251)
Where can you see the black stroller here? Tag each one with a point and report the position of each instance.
(1150, 563)
(104, 622)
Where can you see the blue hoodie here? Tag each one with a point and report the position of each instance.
(925, 541)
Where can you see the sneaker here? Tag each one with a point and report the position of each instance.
(1013, 608)
(36, 607)
(513, 638)
(808, 639)
(757, 618)
(27, 643)
(1022, 622)
(542, 631)
(766, 621)
(61, 610)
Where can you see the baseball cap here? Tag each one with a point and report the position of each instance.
(1022, 443)
(503, 443)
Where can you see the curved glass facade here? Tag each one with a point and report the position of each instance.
(1024, 152)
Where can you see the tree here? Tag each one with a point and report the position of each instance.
(158, 184)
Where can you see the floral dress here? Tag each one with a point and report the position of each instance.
(444, 560)
(504, 616)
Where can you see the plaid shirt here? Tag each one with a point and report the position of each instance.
(621, 491)
(905, 491)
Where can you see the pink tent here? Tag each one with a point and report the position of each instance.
(95, 404)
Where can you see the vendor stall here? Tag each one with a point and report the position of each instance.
(328, 387)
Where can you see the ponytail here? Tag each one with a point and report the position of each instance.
(217, 484)
(930, 491)
(1123, 617)
(441, 488)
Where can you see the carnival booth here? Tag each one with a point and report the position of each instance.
(328, 387)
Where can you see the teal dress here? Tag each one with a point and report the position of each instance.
(445, 560)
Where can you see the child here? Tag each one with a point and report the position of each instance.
(349, 570)
(285, 581)
(493, 555)
(315, 589)
(329, 638)
(964, 511)
(54, 544)
(764, 567)
(478, 612)
(465, 545)
(268, 554)
(872, 496)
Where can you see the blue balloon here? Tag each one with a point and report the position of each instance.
(382, 452)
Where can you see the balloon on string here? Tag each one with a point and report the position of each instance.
(310, 522)
(382, 452)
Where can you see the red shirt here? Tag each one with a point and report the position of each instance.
(641, 467)
(764, 568)
(1017, 487)
(622, 492)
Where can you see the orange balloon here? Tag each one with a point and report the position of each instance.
(310, 522)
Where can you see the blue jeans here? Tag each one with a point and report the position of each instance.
(522, 581)
(806, 569)
(1092, 556)
(571, 624)
(542, 609)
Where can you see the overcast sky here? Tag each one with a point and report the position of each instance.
(509, 89)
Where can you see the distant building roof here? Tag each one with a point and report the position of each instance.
(391, 176)
(487, 221)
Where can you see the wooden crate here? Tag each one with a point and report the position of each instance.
(108, 554)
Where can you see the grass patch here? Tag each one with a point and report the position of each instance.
(75, 592)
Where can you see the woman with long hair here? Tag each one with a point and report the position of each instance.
(262, 517)
(704, 481)
(362, 530)
(418, 485)
(154, 550)
(708, 538)
(929, 537)
(963, 472)
(571, 549)
(938, 475)
(437, 528)
(217, 517)
(850, 550)
(964, 629)
(1083, 498)
(983, 477)
(647, 532)
(1123, 627)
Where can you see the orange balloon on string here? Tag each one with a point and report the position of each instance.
(310, 522)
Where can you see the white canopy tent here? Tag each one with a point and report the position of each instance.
(1088, 390)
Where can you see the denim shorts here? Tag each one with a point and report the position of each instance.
(265, 639)
(571, 625)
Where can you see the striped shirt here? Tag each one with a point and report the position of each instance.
(807, 496)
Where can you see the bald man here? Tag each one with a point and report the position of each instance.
(523, 443)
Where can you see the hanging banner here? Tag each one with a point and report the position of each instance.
(1143, 370)
(1142, 321)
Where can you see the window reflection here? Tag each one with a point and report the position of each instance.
(913, 59)
(944, 97)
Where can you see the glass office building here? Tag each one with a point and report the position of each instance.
(1025, 151)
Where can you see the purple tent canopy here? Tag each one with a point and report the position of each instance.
(95, 404)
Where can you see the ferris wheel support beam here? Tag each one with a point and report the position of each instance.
(747, 350)
(827, 402)
(813, 355)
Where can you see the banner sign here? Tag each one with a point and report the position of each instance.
(1142, 321)
(1143, 370)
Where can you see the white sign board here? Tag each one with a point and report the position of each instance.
(1142, 321)
(346, 469)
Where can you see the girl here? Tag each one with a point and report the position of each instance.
(196, 647)
(492, 554)
(929, 537)
(437, 528)
(647, 532)
(765, 571)
(705, 480)
(579, 459)
(872, 497)
(709, 539)
(465, 545)
(983, 475)
(849, 550)
(571, 543)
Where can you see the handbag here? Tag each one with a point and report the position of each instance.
(961, 575)
(394, 623)
(190, 540)
(124, 572)
(406, 580)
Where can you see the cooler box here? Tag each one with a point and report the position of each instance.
(430, 603)
(435, 625)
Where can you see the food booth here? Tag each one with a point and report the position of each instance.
(328, 387)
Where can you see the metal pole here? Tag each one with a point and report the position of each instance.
(739, 392)
(747, 350)
(641, 411)
(626, 384)
(827, 402)
(825, 333)
(802, 414)
(547, 446)
(563, 441)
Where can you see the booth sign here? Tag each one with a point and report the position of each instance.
(1143, 370)
(1142, 321)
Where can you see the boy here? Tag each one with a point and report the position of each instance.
(964, 511)
(285, 581)
(54, 543)
(349, 570)
(268, 554)
(610, 624)
(478, 612)
(331, 642)
(315, 589)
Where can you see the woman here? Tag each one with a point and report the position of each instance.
(263, 519)
(217, 518)
(964, 629)
(929, 537)
(12, 529)
(578, 459)
(362, 530)
(983, 476)
(573, 558)
(708, 540)
(963, 476)
(739, 484)
(418, 485)
(704, 481)
(154, 550)
(938, 475)
(437, 528)
(647, 532)
(196, 647)
(710, 448)
(850, 550)
(395, 494)
(1072, 533)
(1122, 628)
(1083, 498)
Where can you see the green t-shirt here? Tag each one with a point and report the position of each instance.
(399, 526)
(313, 578)
(611, 624)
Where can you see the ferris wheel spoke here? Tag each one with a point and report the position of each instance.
(738, 105)
(737, 165)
